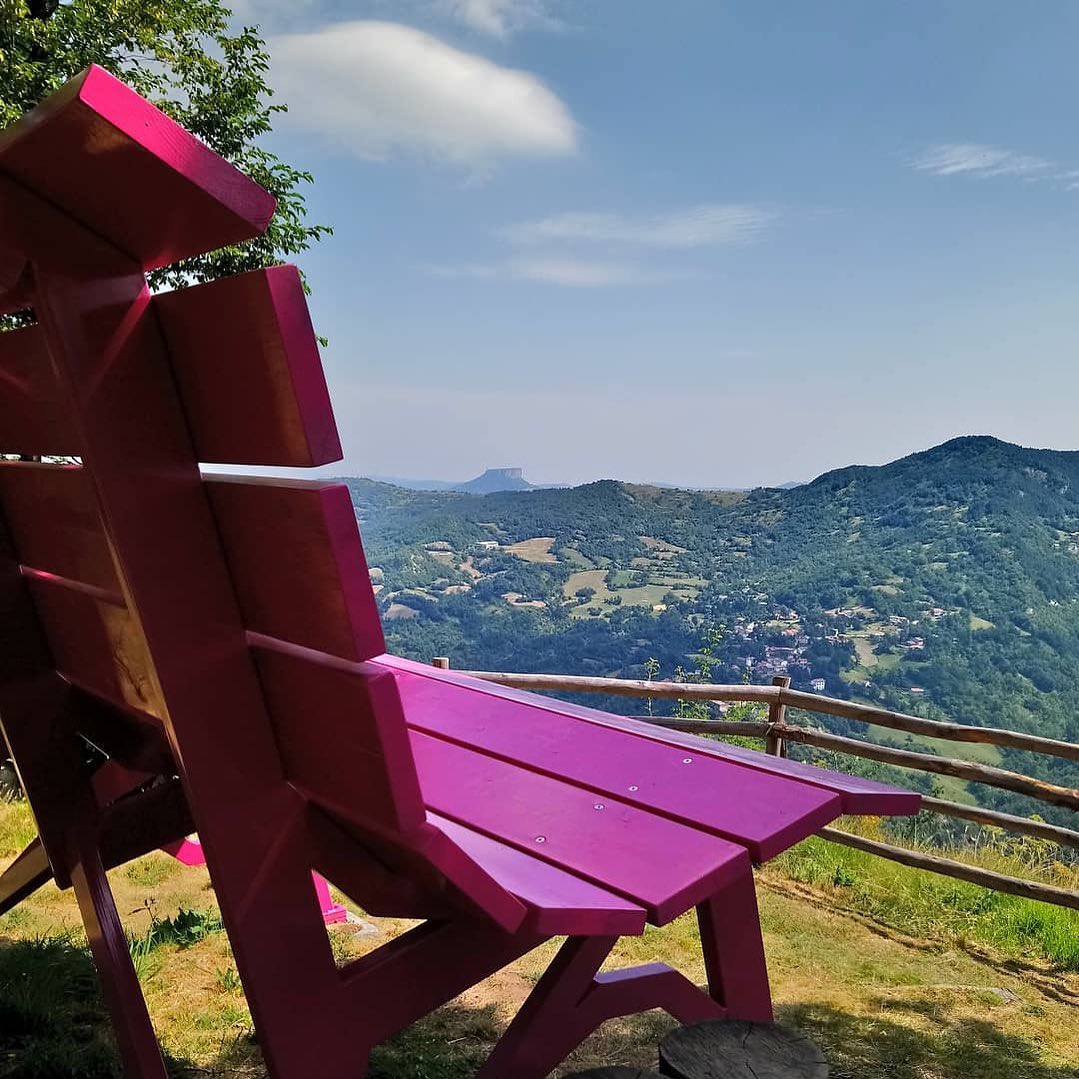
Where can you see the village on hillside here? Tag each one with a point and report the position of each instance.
(773, 641)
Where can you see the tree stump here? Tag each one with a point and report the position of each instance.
(615, 1072)
(730, 1049)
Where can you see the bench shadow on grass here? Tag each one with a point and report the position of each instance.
(872, 1047)
(53, 1026)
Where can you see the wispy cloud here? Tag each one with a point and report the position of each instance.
(502, 18)
(977, 160)
(566, 272)
(597, 240)
(707, 225)
(380, 89)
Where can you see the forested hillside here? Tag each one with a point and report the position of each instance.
(944, 584)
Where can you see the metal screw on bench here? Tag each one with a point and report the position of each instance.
(732, 1049)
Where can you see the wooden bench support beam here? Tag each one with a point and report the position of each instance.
(119, 984)
(571, 1000)
(129, 829)
(425, 968)
(29, 871)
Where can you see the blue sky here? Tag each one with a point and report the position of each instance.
(702, 242)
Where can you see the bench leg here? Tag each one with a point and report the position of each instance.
(571, 1000)
(734, 951)
(135, 1038)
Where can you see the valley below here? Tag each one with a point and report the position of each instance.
(945, 585)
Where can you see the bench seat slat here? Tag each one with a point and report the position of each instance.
(664, 866)
(765, 813)
(864, 796)
(560, 903)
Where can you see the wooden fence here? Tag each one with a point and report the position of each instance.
(777, 732)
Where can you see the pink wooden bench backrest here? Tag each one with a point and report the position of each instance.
(244, 368)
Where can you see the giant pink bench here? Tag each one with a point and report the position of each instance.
(216, 641)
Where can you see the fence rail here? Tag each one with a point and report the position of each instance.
(777, 732)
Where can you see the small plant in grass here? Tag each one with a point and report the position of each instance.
(227, 979)
(702, 672)
(842, 877)
(185, 928)
(188, 927)
(221, 1018)
(651, 669)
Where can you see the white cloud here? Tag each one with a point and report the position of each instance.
(379, 89)
(708, 225)
(975, 159)
(501, 18)
(567, 272)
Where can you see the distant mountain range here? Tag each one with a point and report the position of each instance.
(512, 479)
(494, 479)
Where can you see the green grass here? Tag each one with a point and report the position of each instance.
(645, 595)
(17, 828)
(639, 596)
(869, 663)
(148, 873)
(575, 558)
(943, 909)
(981, 753)
(863, 649)
(52, 1022)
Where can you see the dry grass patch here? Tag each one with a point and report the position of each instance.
(537, 549)
(514, 600)
(400, 610)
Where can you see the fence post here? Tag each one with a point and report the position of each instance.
(441, 662)
(774, 744)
